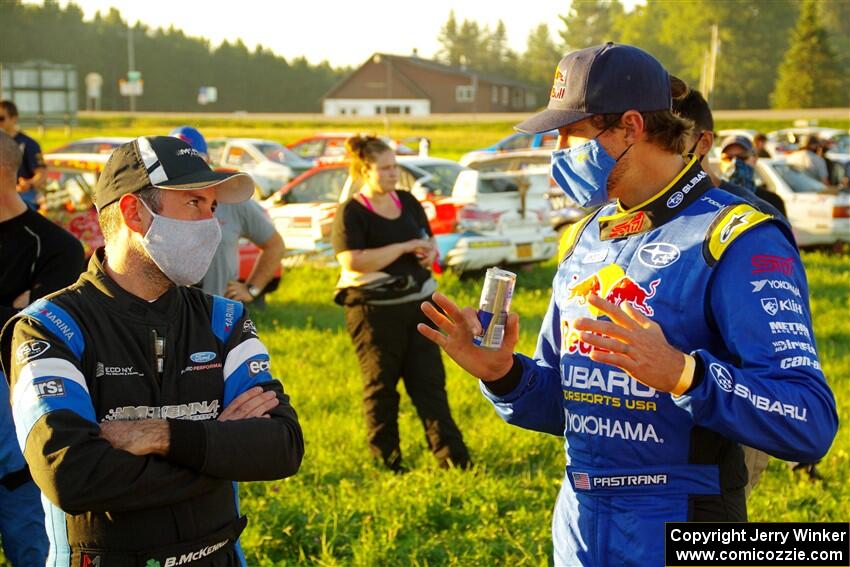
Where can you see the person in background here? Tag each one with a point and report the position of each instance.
(238, 220)
(141, 402)
(806, 160)
(31, 175)
(383, 235)
(701, 139)
(39, 258)
(833, 173)
(760, 144)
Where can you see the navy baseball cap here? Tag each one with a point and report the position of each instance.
(738, 140)
(167, 163)
(605, 79)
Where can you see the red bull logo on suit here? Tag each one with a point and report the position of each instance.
(612, 284)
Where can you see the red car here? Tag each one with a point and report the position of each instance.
(303, 210)
(70, 182)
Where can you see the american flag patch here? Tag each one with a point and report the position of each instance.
(581, 481)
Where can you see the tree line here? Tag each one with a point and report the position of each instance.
(772, 53)
(173, 65)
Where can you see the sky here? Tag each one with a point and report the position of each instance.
(343, 32)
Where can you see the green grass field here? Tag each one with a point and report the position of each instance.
(342, 510)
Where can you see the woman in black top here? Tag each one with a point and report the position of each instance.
(382, 235)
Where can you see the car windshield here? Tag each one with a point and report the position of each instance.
(798, 181)
(278, 153)
(443, 176)
(842, 144)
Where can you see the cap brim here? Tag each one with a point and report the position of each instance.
(550, 119)
(231, 187)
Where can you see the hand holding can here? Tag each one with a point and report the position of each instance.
(494, 306)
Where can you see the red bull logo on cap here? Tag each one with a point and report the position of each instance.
(612, 284)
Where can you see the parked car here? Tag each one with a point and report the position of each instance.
(818, 215)
(67, 202)
(303, 210)
(562, 210)
(269, 163)
(91, 146)
(787, 140)
(502, 219)
(518, 141)
(331, 146)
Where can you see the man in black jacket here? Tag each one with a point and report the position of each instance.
(139, 401)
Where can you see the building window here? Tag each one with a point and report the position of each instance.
(379, 109)
(494, 95)
(505, 93)
(530, 100)
(393, 110)
(464, 93)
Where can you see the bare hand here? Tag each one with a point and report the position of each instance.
(636, 343)
(250, 404)
(427, 257)
(22, 301)
(458, 326)
(239, 291)
(143, 437)
(416, 245)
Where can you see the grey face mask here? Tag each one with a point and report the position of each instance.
(182, 249)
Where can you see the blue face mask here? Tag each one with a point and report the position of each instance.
(741, 174)
(582, 172)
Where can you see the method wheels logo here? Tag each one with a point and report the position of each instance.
(722, 377)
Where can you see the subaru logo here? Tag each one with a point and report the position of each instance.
(658, 254)
(675, 200)
(722, 377)
(201, 357)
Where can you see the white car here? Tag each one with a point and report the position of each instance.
(785, 141)
(502, 219)
(817, 215)
(270, 164)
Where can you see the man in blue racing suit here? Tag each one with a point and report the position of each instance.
(679, 325)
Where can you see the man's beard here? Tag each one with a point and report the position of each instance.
(150, 271)
(616, 176)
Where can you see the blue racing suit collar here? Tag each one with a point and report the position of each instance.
(683, 190)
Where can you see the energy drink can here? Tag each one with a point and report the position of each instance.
(494, 306)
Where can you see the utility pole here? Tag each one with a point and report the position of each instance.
(712, 63)
(131, 63)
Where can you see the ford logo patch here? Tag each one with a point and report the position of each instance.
(201, 357)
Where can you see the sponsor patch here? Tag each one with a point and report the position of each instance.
(724, 380)
(675, 200)
(658, 254)
(30, 350)
(249, 327)
(785, 344)
(258, 366)
(193, 411)
(759, 285)
(734, 223)
(797, 361)
(595, 256)
(722, 376)
(200, 367)
(789, 328)
(51, 387)
(611, 428)
(770, 305)
(764, 263)
(201, 357)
